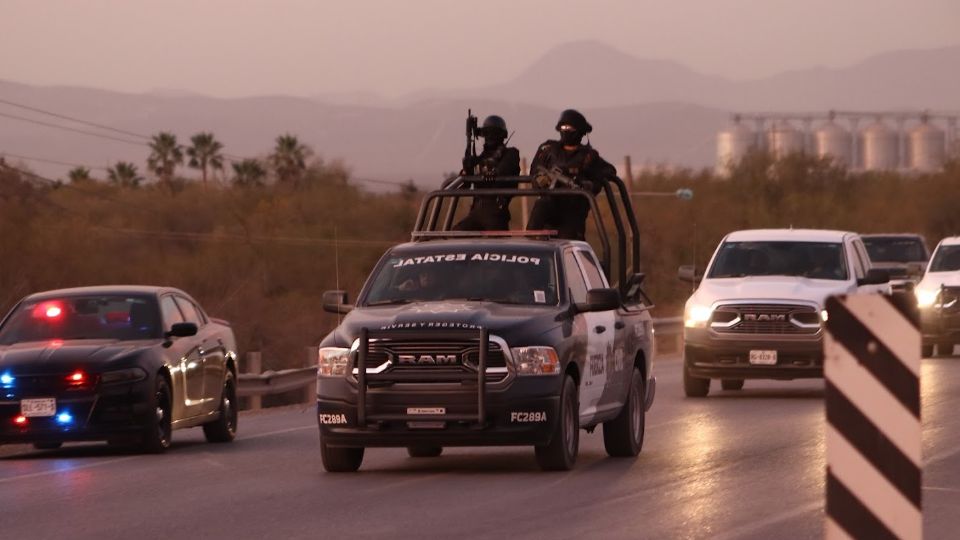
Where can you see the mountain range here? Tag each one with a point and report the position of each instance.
(657, 111)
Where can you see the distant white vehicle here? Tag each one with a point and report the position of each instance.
(759, 309)
(937, 297)
(902, 255)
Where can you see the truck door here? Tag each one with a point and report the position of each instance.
(599, 390)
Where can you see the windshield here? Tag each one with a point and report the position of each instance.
(83, 317)
(505, 276)
(946, 259)
(815, 260)
(895, 249)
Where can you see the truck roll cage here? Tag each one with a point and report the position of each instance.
(429, 224)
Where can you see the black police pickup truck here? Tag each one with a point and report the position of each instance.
(480, 339)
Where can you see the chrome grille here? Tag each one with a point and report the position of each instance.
(765, 319)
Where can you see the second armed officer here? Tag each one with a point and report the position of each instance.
(497, 159)
(576, 161)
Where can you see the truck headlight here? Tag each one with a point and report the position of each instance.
(333, 362)
(697, 316)
(926, 297)
(536, 360)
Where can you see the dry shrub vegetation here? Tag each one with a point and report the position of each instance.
(261, 257)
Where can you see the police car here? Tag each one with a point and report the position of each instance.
(488, 339)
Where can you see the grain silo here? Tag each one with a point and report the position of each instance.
(784, 139)
(732, 144)
(834, 142)
(880, 148)
(928, 145)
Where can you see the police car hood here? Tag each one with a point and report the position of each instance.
(761, 288)
(513, 323)
(933, 280)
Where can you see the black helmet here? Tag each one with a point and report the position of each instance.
(495, 124)
(575, 119)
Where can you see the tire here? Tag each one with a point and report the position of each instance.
(623, 436)
(340, 459)
(424, 451)
(945, 348)
(47, 445)
(561, 453)
(731, 384)
(224, 428)
(694, 386)
(157, 432)
(926, 351)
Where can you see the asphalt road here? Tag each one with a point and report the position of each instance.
(746, 464)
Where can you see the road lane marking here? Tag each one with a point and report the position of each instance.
(67, 470)
(277, 432)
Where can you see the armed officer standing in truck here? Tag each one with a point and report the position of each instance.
(496, 159)
(576, 161)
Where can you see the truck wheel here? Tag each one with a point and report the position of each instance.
(623, 436)
(561, 453)
(945, 348)
(694, 386)
(926, 351)
(340, 459)
(731, 384)
(424, 451)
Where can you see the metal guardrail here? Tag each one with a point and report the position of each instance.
(255, 385)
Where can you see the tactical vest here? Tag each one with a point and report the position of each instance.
(570, 163)
(488, 165)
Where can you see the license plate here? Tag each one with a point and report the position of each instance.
(763, 358)
(32, 408)
(427, 411)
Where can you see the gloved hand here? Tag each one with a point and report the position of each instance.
(542, 181)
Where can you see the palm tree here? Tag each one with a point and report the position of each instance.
(79, 175)
(289, 159)
(248, 173)
(165, 155)
(204, 152)
(124, 174)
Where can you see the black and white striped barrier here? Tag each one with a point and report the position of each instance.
(874, 462)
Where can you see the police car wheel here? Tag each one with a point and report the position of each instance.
(731, 384)
(424, 451)
(561, 453)
(340, 459)
(623, 436)
(695, 386)
(224, 428)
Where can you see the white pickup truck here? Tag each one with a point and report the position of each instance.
(758, 310)
(938, 297)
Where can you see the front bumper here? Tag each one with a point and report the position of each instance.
(103, 413)
(708, 354)
(522, 413)
(939, 325)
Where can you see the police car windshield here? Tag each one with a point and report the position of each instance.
(946, 259)
(502, 276)
(83, 317)
(895, 249)
(815, 260)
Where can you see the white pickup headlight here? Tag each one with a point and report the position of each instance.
(697, 316)
(536, 360)
(926, 297)
(333, 362)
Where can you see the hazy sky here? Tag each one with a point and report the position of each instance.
(391, 47)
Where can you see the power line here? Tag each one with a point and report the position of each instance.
(75, 130)
(50, 161)
(73, 119)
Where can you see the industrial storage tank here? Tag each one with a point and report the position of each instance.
(880, 148)
(783, 139)
(834, 142)
(732, 144)
(928, 145)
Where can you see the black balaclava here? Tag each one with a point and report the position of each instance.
(570, 138)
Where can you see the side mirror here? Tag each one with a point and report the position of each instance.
(688, 273)
(600, 300)
(336, 302)
(182, 329)
(875, 276)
